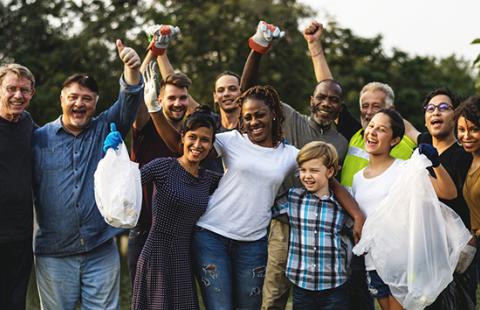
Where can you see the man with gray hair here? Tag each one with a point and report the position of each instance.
(17, 87)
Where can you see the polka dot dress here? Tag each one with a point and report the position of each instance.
(164, 277)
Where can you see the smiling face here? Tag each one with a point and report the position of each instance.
(257, 122)
(197, 144)
(440, 124)
(78, 106)
(378, 135)
(227, 89)
(314, 176)
(469, 136)
(326, 102)
(370, 103)
(15, 95)
(174, 102)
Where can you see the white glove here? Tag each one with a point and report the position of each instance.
(151, 88)
(465, 258)
(160, 37)
(261, 41)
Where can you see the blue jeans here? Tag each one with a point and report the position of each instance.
(230, 272)
(91, 278)
(332, 299)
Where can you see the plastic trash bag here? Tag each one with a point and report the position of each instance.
(414, 239)
(118, 189)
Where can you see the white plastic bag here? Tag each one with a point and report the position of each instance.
(118, 188)
(414, 239)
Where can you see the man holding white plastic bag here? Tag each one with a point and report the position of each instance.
(118, 190)
(76, 259)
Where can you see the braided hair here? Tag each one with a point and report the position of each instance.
(270, 97)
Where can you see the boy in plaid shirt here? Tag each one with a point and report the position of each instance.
(317, 256)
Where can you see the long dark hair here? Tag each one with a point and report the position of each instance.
(270, 97)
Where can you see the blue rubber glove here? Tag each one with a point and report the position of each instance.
(113, 139)
(431, 153)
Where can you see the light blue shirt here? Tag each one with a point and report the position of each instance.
(67, 218)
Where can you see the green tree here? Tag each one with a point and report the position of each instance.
(60, 37)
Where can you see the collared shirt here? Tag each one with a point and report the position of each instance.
(67, 217)
(317, 256)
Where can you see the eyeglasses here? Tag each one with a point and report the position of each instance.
(442, 107)
(13, 89)
(322, 97)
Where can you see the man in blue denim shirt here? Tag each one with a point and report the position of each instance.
(76, 259)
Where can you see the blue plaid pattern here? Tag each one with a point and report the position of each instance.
(317, 255)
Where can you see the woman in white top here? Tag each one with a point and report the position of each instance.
(230, 242)
(372, 184)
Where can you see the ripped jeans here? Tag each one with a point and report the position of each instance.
(230, 272)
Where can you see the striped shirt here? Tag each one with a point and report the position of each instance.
(317, 256)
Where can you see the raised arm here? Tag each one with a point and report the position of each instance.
(442, 183)
(142, 113)
(131, 61)
(164, 129)
(166, 34)
(312, 34)
(259, 43)
(350, 205)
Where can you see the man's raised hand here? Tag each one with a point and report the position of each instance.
(132, 63)
(160, 37)
(150, 92)
(313, 32)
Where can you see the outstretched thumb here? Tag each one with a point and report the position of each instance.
(113, 127)
(120, 45)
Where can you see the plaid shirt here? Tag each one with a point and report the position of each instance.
(317, 256)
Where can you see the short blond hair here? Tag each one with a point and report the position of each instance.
(319, 150)
(19, 70)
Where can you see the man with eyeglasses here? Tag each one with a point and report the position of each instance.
(17, 87)
(439, 106)
(76, 258)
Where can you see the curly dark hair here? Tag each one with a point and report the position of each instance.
(470, 109)
(270, 97)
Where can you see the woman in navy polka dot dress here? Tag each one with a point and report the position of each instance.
(164, 277)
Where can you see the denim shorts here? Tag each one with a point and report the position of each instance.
(376, 286)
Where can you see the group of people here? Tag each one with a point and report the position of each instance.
(250, 202)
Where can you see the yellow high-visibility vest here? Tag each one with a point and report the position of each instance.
(357, 158)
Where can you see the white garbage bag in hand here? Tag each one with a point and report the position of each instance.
(414, 239)
(118, 189)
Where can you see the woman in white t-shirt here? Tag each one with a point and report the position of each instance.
(371, 184)
(230, 242)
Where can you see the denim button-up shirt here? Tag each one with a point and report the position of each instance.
(67, 218)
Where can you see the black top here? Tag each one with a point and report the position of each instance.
(457, 162)
(16, 208)
(347, 124)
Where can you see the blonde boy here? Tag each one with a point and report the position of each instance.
(317, 256)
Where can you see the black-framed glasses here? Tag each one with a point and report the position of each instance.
(442, 107)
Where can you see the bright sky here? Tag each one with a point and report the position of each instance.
(419, 27)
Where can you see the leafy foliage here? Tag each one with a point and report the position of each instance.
(57, 38)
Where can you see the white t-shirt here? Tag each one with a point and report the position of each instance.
(369, 192)
(240, 208)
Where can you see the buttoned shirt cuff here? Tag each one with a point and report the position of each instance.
(131, 88)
